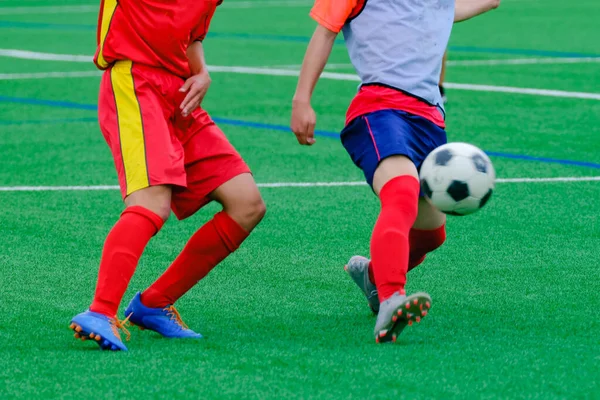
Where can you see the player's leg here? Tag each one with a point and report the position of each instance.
(146, 211)
(243, 209)
(427, 234)
(136, 130)
(218, 173)
(400, 140)
(397, 185)
(241, 200)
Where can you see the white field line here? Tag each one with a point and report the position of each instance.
(480, 63)
(337, 76)
(94, 8)
(35, 55)
(457, 86)
(523, 61)
(528, 91)
(285, 184)
(50, 10)
(49, 75)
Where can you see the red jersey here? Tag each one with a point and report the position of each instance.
(333, 15)
(155, 33)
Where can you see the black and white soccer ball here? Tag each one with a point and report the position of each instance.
(458, 178)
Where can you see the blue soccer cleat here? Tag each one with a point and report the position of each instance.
(99, 328)
(165, 321)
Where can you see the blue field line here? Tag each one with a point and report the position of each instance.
(301, 39)
(259, 125)
(273, 127)
(49, 103)
(543, 159)
(48, 121)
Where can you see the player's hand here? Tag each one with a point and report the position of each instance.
(196, 87)
(303, 122)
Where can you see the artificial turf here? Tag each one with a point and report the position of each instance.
(515, 288)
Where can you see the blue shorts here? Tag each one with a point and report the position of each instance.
(373, 137)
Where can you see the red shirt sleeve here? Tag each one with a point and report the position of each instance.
(333, 14)
(199, 33)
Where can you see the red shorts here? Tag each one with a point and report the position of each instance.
(153, 144)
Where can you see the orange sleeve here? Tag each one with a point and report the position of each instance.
(333, 14)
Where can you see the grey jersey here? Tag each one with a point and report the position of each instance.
(400, 44)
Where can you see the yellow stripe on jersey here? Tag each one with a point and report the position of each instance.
(107, 12)
(131, 129)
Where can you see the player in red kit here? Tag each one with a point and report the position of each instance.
(169, 155)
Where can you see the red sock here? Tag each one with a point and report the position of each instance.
(389, 243)
(423, 242)
(123, 248)
(209, 246)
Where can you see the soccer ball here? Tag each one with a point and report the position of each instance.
(458, 178)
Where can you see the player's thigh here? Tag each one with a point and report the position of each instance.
(134, 118)
(428, 217)
(392, 167)
(210, 162)
(390, 143)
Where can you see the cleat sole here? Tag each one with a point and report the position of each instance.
(416, 307)
(82, 335)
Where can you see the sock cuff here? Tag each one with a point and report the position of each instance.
(407, 185)
(149, 215)
(232, 234)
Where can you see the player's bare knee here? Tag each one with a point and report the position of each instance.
(156, 199)
(248, 213)
(163, 211)
(254, 210)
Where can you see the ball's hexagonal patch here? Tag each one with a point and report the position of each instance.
(458, 190)
(480, 163)
(426, 189)
(485, 198)
(443, 157)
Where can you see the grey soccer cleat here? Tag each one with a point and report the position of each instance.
(358, 269)
(399, 311)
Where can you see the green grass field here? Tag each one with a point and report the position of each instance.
(515, 288)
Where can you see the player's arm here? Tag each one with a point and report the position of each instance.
(331, 15)
(303, 116)
(197, 85)
(466, 9)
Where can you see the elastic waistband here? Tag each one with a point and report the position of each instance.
(127, 65)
